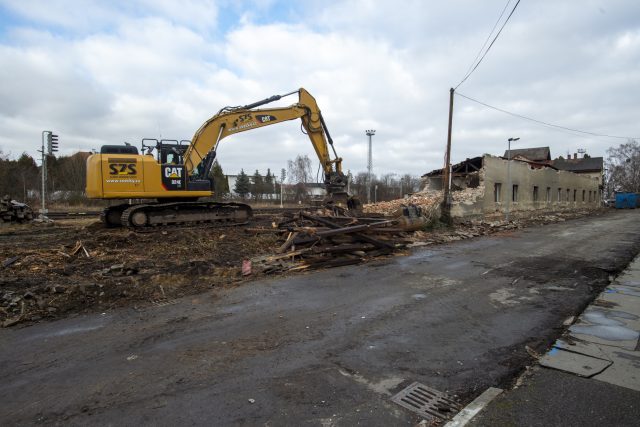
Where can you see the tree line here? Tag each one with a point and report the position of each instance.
(66, 178)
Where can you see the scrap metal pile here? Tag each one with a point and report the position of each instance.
(318, 241)
(13, 211)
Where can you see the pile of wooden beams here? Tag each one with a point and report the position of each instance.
(11, 210)
(315, 241)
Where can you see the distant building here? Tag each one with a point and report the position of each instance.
(589, 166)
(536, 154)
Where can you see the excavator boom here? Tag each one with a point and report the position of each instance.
(232, 120)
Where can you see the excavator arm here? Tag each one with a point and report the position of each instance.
(232, 120)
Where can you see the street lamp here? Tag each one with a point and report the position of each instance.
(370, 133)
(509, 174)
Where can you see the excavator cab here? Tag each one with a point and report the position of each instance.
(170, 156)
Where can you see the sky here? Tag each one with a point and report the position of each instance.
(98, 72)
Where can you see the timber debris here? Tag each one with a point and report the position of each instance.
(320, 241)
(14, 211)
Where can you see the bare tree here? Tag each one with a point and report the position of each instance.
(410, 183)
(299, 170)
(623, 168)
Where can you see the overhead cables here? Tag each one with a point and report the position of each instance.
(478, 61)
(543, 123)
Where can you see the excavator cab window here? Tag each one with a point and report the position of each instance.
(118, 149)
(171, 158)
(171, 153)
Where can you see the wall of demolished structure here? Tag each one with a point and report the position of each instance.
(535, 189)
(487, 191)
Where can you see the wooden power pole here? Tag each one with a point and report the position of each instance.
(446, 172)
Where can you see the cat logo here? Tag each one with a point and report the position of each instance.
(265, 118)
(173, 172)
(122, 167)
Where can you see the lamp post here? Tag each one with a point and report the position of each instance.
(281, 195)
(509, 175)
(370, 133)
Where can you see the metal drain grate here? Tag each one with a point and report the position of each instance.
(427, 402)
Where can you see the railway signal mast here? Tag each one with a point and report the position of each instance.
(52, 147)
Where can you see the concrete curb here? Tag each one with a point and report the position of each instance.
(472, 409)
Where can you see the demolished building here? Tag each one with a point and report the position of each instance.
(533, 185)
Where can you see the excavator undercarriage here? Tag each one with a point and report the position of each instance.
(143, 216)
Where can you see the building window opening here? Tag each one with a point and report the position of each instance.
(568, 192)
(535, 193)
(548, 198)
(583, 194)
(574, 194)
(514, 193)
(559, 194)
(497, 189)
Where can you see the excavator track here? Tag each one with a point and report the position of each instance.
(110, 216)
(149, 216)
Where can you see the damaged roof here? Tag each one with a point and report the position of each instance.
(536, 154)
(586, 164)
(466, 166)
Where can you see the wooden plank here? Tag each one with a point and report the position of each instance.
(287, 244)
(360, 236)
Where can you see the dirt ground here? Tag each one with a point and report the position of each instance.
(74, 266)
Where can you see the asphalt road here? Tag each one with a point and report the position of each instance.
(328, 348)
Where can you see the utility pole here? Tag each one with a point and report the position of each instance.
(446, 172)
(281, 195)
(369, 133)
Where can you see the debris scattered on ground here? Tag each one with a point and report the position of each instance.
(76, 265)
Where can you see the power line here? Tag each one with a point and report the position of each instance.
(489, 48)
(541, 122)
(488, 37)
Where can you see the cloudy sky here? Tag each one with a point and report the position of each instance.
(104, 72)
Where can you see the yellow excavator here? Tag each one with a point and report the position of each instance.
(177, 177)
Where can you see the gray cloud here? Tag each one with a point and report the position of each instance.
(149, 69)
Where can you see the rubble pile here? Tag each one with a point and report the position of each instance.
(425, 200)
(428, 200)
